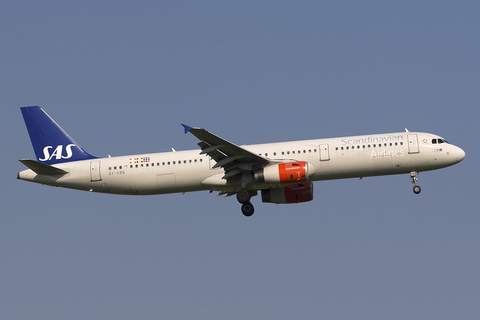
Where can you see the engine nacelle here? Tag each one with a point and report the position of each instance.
(299, 192)
(287, 172)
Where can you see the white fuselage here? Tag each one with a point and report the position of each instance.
(185, 171)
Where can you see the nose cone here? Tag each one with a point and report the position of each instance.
(459, 154)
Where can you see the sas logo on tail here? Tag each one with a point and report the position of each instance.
(57, 153)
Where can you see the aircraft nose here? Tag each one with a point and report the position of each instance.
(459, 154)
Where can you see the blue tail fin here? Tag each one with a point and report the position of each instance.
(50, 142)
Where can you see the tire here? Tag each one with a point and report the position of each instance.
(417, 189)
(248, 209)
(243, 196)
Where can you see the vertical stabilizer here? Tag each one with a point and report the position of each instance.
(50, 142)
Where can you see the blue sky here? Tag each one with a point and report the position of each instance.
(120, 77)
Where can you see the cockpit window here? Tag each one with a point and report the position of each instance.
(434, 141)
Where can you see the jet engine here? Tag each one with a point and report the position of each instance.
(287, 172)
(299, 192)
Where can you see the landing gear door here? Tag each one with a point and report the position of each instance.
(324, 152)
(413, 143)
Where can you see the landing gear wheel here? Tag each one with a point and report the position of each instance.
(247, 209)
(243, 196)
(416, 189)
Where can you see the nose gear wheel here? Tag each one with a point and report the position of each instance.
(416, 189)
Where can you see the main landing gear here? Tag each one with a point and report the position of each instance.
(416, 189)
(243, 196)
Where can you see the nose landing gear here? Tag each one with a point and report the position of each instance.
(416, 189)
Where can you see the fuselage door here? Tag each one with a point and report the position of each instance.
(413, 143)
(95, 171)
(324, 152)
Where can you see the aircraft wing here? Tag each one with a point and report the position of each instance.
(234, 159)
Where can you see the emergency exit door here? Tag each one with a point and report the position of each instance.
(324, 152)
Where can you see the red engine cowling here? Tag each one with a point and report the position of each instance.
(287, 172)
(299, 192)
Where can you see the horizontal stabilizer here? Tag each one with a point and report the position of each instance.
(41, 168)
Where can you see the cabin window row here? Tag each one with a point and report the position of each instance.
(292, 152)
(391, 144)
(165, 163)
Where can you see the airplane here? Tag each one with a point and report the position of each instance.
(283, 172)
